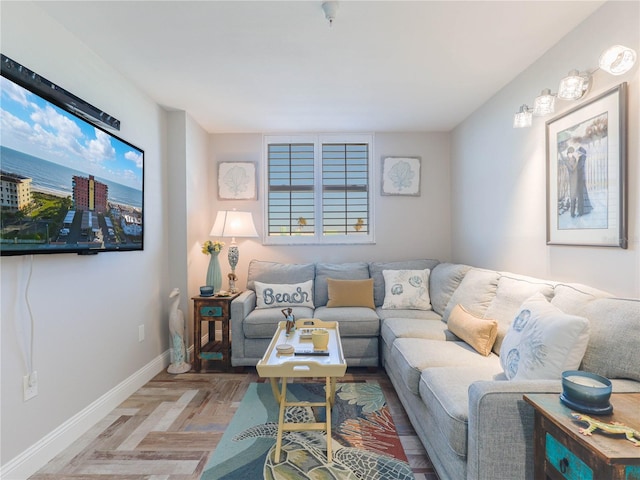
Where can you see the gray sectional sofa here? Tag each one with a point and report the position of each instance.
(470, 417)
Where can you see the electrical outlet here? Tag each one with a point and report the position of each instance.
(140, 333)
(30, 384)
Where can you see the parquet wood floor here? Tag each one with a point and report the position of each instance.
(168, 429)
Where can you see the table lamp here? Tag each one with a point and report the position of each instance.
(230, 223)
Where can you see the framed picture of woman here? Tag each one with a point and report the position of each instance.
(586, 173)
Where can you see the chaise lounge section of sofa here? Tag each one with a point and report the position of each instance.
(470, 417)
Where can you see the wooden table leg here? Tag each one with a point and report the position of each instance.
(283, 403)
(329, 401)
(333, 390)
(275, 388)
(197, 342)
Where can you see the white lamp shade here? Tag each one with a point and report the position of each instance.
(618, 59)
(230, 223)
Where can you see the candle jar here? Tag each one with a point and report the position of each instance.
(585, 388)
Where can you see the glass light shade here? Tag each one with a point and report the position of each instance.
(544, 104)
(230, 223)
(573, 86)
(522, 118)
(617, 59)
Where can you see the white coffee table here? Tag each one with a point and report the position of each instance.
(279, 367)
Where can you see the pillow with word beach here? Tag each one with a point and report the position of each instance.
(278, 295)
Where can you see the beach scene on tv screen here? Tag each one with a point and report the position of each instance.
(66, 184)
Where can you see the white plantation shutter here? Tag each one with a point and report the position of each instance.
(345, 189)
(318, 189)
(290, 189)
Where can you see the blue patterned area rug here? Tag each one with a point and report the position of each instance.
(365, 440)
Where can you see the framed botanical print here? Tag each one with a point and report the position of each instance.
(401, 176)
(586, 173)
(237, 181)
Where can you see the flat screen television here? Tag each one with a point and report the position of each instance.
(68, 185)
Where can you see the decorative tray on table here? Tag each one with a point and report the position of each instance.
(280, 360)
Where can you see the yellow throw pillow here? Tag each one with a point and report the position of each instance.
(478, 332)
(350, 293)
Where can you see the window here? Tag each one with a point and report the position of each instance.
(318, 189)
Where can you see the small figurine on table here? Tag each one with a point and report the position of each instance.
(291, 324)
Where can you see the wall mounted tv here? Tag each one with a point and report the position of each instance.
(68, 185)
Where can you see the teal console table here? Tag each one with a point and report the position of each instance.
(217, 351)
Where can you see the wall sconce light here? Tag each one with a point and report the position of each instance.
(544, 104)
(523, 117)
(230, 223)
(574, 85)
(617, 60)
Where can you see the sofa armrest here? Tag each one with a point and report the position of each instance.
(500, 442)
(241, 306)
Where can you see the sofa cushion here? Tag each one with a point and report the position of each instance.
(376, 269)
(273, 272)
(613, 356)
(418, 314)
(406, 290)
(446, 391)
(350, 293)
(263, 322)
(402, 327)
(478, 332)
(475, 292)
(410, 356)
(278, 295)
(443, 281)
(574, 297)
(542, 342)
(511, 292)
(339, 271)
(353, 321)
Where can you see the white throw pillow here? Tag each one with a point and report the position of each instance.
(406, 289)
(272, 295)
(542, 342)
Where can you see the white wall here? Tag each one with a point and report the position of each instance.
(189, 207)
(498, 173)
(406, 227)
(86, 309)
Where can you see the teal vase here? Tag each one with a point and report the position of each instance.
(214, 274)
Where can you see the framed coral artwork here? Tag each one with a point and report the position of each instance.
(586, 173)
(401, 176)
(237, 181)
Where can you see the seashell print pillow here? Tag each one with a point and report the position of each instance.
(543, 341)
(406, 290)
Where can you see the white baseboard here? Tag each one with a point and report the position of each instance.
(40, 453)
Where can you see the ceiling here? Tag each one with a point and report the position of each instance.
(278, 66)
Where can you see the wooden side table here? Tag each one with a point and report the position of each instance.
(562, 452)
(212, 309)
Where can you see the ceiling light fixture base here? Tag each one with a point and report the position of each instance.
(330, 10)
